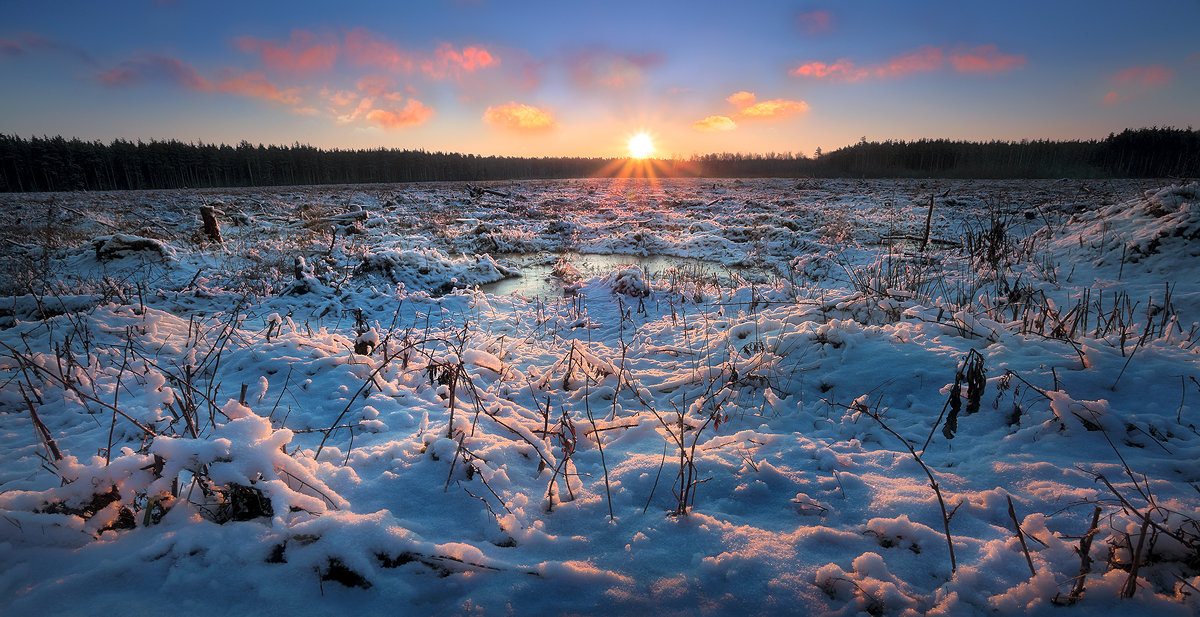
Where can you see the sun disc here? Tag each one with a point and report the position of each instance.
(641, 146)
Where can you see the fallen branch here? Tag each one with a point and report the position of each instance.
(479, 191)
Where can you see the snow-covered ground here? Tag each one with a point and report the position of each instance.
(717, 397)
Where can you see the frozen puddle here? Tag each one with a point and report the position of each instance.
(537, 278)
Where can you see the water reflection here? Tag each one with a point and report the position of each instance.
(538, 279)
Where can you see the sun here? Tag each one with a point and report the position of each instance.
(641, 146)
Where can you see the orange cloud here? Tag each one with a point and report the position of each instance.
(518, 117)
(715, 123)
(749, 108)
(984, 59)
(777, 108)
(816, 22)
(413, 113)
(255, 84)
(304, 52)
(741, 99)
(981, 59)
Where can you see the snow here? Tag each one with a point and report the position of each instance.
(603, 397)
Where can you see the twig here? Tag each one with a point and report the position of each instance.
(1130, 586)
(932, 481)
(1020, 536)
(63, 381)
(661, 463)
(40, 427)
(599, 445)
(1085, 562)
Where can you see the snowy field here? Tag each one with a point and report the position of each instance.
(618, 397)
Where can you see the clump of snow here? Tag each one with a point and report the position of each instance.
(629, 281)
(306, 280)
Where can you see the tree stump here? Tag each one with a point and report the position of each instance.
(212, 229)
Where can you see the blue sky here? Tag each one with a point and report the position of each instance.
(579, 78)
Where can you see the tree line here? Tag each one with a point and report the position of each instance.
(60, 164)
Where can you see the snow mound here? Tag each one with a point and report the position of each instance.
(430, 270)
(120, 246)
(1164, 223)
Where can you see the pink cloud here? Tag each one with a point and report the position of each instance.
(816, 22)
(842, 70)
(927, 58)
(364, 107)
(984, 59)
(255, 85)
(25, 43)
(304, 52)
(446, 60)
(981, 59)
(413, 113)
(154, 67)
(715, 123)
(607, 69)
(1133, 82)
(375, 85)
(518, 117)
(29, 42)
(741, 99)
(340, 98)
(1152, 76)
(364, 48)
(157, 68)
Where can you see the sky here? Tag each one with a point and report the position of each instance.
(572, 78)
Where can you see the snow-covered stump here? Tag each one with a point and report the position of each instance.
(211, 228)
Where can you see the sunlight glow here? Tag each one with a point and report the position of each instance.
(641, 146)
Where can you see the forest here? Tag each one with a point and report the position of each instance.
(61, 164)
